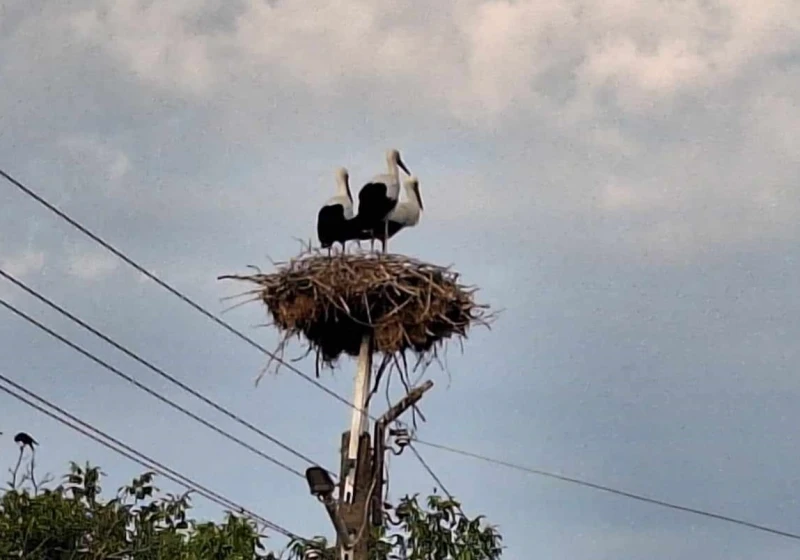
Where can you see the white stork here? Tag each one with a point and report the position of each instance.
(378, 198)
(334, 219)
(405, 214)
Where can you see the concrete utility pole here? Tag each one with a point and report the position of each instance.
(360, 503)
(359, 421)
(365, 509)
(356, 468)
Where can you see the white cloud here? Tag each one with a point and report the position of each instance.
(643, 79)
(152, 38)
(23, 264)
(619, 196)
(610, 82)
(91, 266)
(491, 56)
(20, 266)
(98, 158)
(773, 117)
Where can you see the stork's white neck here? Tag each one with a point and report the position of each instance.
(343, 188)
(391, 164)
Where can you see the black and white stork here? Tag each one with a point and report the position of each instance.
(406, 214)
(379, 197)
(335, 218)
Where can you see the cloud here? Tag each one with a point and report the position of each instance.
(23, 264)
(492, 56)
(20, 265)
(642, 80)
(91, 266)
(97, 158)
(773, 117)
(154, 40)
(621, 110)
(617, 196)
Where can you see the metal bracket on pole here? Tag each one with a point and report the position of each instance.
(321, 486)
(379, 446)
(338, 524)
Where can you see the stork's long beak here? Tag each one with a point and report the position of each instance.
(419, 196)
(403, 166)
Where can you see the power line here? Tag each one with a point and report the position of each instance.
(147, 390)
(317, 384)
(436, 478)
(186, 299)
(610, 490)
(182, 297)
(125, 450)
(152, 367)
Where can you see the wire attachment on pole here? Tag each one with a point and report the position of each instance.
(402, 438)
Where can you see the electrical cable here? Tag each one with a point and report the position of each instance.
(136, 456)
(436, 478)
(186, 299)
(154, 368)
(147, 390)
(611, 490)
(341, 399)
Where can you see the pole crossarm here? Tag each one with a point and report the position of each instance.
(379, 447)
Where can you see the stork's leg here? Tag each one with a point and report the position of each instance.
(385, 234)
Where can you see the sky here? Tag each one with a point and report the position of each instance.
(619, 177)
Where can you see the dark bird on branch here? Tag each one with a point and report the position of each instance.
(24, 439)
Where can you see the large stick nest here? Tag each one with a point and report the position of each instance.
(332, 302)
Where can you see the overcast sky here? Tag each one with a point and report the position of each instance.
(621, 177)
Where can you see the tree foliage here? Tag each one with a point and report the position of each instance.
(74, 521)
(439, 532)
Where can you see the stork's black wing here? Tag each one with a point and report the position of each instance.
(373, 205)
(330, 224)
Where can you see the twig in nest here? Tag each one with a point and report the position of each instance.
(378, 376)
(240, 304)
(276, 356)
